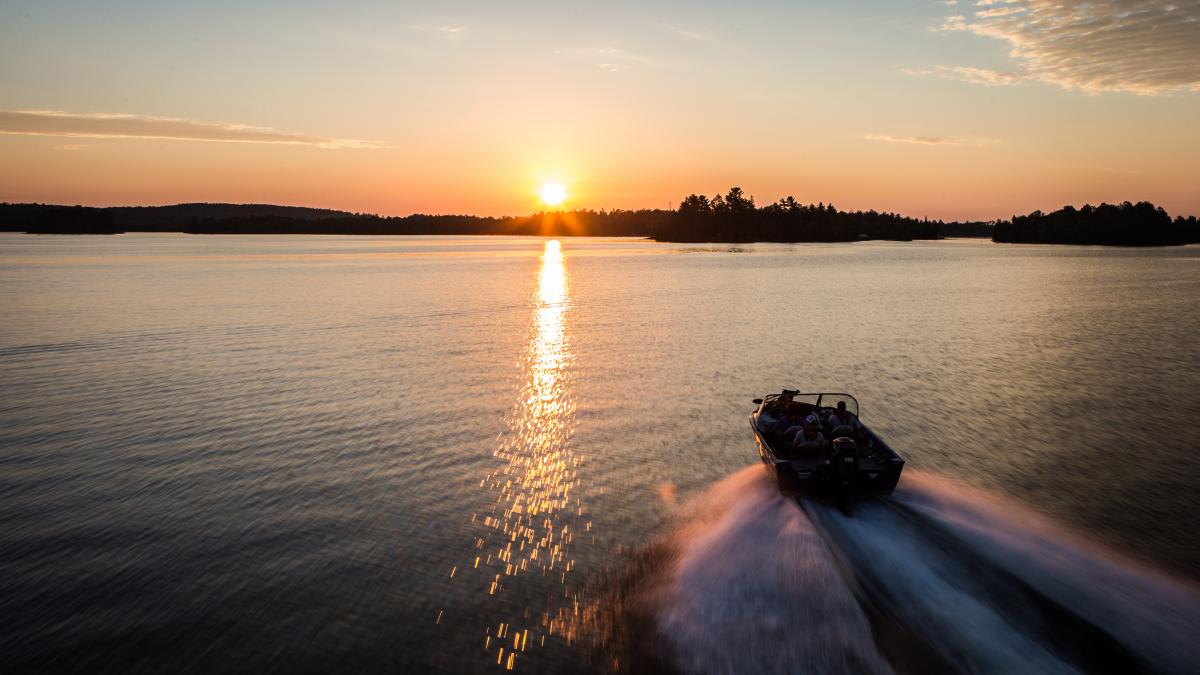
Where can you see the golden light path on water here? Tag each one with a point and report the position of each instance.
(529, 528)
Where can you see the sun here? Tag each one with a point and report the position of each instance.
(553, 193)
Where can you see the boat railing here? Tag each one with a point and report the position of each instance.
(824, 400)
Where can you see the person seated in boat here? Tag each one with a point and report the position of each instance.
(816, 417)
(842, 422)
(796, 428)
(809, 438)
(789, 422)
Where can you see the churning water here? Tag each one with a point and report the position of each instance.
(446, 454)
(937, 579)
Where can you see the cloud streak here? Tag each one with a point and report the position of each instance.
(123, 125)
(609, 59)
(688, 33)
(1139, 46)
(984, 76)
(930, 140)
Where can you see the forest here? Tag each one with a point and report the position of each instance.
(732, 217)
(1126, 224)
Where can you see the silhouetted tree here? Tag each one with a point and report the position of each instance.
(1126, 224)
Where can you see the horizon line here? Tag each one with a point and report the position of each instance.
(571, 210)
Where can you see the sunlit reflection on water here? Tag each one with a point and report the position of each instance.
(531, 526)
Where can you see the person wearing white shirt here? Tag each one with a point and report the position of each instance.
(809, 438)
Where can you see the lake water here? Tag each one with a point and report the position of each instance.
(461, 454)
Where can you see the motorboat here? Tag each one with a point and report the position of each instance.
(815, 445)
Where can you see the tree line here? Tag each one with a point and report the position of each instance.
(1125, 224)
(732, 217)
(269, 219)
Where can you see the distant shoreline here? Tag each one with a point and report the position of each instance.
(723, 219)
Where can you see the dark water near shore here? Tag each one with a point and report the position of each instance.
(415, 454)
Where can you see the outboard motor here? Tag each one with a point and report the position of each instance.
(844, 458)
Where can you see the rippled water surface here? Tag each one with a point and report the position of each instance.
(416, 454)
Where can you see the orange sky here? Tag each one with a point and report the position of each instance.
(929, 109)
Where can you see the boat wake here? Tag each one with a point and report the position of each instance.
(934, 579)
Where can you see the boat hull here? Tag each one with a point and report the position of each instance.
(817, 479)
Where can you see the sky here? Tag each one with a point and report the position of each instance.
(974, 109)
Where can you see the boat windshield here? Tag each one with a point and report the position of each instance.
(826, 401)
(810, 399)
(831, 401)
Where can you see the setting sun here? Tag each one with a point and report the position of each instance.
(553, 193)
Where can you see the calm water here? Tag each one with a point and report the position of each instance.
(415, 454)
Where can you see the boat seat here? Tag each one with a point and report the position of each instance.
(808, 448)
(842, 430)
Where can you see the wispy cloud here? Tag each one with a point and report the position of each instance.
(998, 12)
(444, 31)
(610, 59)
(123, 125)
(952, 23)
(984, 76)
(931, 140)
(688, 33)
(1140, 46)
(407, 40)
(709, 40)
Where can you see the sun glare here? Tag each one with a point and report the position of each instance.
(553, 194)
